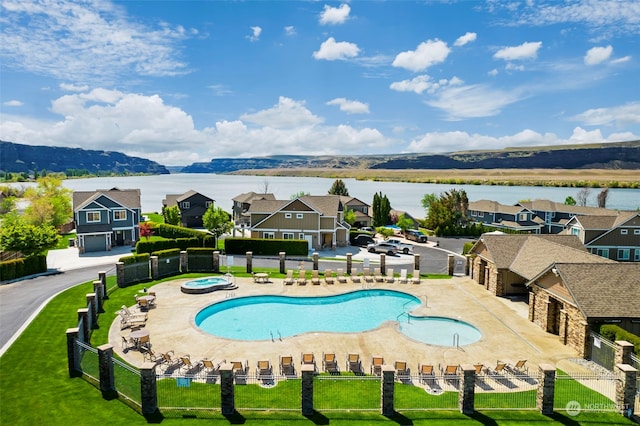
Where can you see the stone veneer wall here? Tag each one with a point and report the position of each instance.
(492, 279)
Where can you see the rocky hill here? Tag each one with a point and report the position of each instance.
(622, 155)
(18, 158)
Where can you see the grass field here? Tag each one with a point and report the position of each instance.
(35, 387)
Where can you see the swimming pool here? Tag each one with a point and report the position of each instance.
(268, 317)
(208, 284)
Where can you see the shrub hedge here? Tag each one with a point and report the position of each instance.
(17, 268)
(613, 332)
(200, 259)
(265, 247)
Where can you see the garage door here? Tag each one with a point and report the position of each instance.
(95, 243)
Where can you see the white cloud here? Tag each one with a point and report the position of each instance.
(426, 54)
(255, 33)
(597, 55)
(527, 50)
(417, 84)
(290, 30)
(331, 50)
(287, 113)
(350, 107)
(622, 115)
(334, 15)
(460, 101)
(220, 89)
(467, 38)
(621, 60)
(74, 87)
(12, 103)
(88, 41)
(493, 72)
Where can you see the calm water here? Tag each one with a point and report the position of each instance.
(403, 196)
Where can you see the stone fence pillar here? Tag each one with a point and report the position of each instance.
(249, 262)
(307, 371)
(315, 261)
(105, 367)
(450, 264)
(72, 335)
(92, 308)
(216, 262)
(383, 263)
(97, 289)
(120, 274)
(83, 315)
(416, 261)
(466, 403)
(386, 390)
(102, 276)
(227, 396)
(625, 389)
(155, 270)
(184, 262)
(283, 258)
(349, 262)
(148, 389)
(623, 353)
(546, 389)
(467, 264)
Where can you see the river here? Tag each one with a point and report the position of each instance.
(403, 196)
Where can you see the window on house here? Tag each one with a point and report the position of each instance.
(287, 235)
(301, 237)
(623, 254)
(575, 231)
(623, 231)
(287, 215)
(120, 215)
(268, 235)
(636, 232)
(93, 216)
(603, 253)
(299, 215)
(636, 256)
(208, 204)
(522, 217)
(185, 205)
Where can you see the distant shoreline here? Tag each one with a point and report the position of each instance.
(578, 178)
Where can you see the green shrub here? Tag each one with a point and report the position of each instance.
(200, 259)
(16, 268)
(265, 247)
(136, 258)
(613, 332)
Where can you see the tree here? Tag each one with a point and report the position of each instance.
(570, 201)
(385, 232)
(448, 214)
(602, 198)
(298, 195)
(381, 209)
(404, 223)
(427, 199)
(50, 202)
(18, 235)
(172, 215)
(339, 188)
(582, 197)
(349, 216)
(217, 221)
(145, 230)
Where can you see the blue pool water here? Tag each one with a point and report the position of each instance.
(261, 317)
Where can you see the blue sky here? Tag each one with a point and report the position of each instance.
(185, 81)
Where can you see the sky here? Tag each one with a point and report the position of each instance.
(180, 82)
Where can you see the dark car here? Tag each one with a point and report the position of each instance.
(362, 240)
(415, 235)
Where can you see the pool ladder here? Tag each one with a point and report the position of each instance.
(279, 336)
(404, 312)
(456, 340)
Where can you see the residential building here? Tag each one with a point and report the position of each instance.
(106, 218)
(192, 205)
(504, 217)
(360, 208)
(554, 217)
(317, 219)
(241, 204)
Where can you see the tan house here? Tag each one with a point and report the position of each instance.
(317, 219)
(361, 209)
(504, 263)
(569, 299)
(242, 202)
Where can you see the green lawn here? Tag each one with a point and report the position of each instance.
(35, 387)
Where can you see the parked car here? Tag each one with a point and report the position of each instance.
(415, 235)
(362, 240)
(403, 247)
(368, 229)
(383, 247)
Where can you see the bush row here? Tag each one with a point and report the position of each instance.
(16, 268)
(153, 246)
(265, 247)
(613, 332)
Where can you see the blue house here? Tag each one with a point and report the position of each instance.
(106, 218)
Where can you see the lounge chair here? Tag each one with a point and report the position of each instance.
(500, 368)
(302, 277)
(401, 369)
(308, 359)
(376, 365)
(130, 321)
(479, 369)
(150, 356)
(427, 375)
(168, 361)
(366, 273)
(390, 278)
(353, 363)
(341, 277)
(377, 273)
(415, 277)
(355, 278)
(129, 313)
(288, 280)
(144, 344)
(209, 367)
(264, 368)
(239, 368)
(403, 277)
(449, 372)
(185, 362)
(287, 368)
(314, 277)
(329, 363)
(328, 276)
(519, 367)
(127, 342)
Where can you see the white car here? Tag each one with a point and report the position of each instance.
(403, 247)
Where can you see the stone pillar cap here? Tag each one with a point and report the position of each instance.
(626, 368)
(467, 367)
(547, 367)
(623, 343)
(307, 367)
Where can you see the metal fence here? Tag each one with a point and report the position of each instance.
(436, 392)
(342, 393)
(195, 395)
(87, 358)
(508, 391)
(635, 362)
(136, 272)
(585, 392)
(267, 392)
(127, 381)
(603, 352)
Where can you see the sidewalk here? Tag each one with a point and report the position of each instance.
(69, 258)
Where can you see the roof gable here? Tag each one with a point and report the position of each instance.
(127, 198)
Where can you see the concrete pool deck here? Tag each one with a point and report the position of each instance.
(507, 335)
